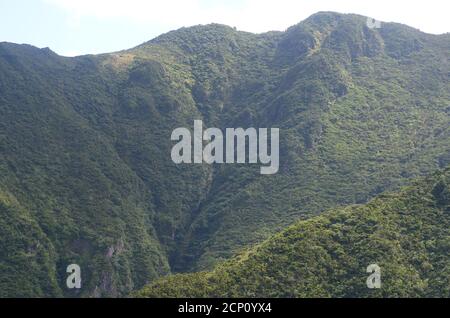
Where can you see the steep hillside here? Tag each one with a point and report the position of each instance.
(407, 234)
(358, 114)
(85, 144)
(83, 201)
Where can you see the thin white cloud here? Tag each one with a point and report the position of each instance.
(257, 15)
(139, 11)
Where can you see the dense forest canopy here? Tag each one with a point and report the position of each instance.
(86, 175)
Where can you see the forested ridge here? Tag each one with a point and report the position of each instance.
(406, 234)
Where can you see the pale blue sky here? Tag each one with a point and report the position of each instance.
(73, 27)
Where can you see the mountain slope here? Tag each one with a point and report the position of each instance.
(85, 143)
(407, 234)
(84, 200)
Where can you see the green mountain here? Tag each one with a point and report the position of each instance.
(407, 234)
(86, 175)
